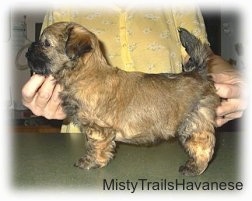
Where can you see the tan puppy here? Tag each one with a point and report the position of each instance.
(110, 105)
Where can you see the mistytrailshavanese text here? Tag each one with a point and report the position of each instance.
(168, 185)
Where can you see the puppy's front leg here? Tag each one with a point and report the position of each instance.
(100, 148)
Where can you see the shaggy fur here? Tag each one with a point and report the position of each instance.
(132, 107)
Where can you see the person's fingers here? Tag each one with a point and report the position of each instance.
(55, 96)
(221, 121)
(41, 96)
(228, 91)
(224, 119)
(60, 114)
(230, 106)
(227, 77)
(53, 109)
(31, 87)
(234, 115)
(45, 92)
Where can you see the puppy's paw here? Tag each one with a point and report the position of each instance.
(85, 163)
(191, 168)
(188, 171)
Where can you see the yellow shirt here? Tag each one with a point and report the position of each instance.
(136, 39)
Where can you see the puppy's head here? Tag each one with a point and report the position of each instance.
(60, 47)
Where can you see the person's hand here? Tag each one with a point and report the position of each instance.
(41, 96)
(231, 88)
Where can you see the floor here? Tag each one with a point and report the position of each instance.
(45, 161)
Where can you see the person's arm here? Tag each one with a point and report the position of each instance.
(41, 95)
(230, 86)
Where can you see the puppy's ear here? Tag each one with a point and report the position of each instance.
(78, 42)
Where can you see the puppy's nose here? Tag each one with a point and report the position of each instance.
(32, 48)
(34, 45)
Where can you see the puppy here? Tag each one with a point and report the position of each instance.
(109, 104)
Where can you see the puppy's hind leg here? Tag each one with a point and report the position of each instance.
(200, 147)
(197, 137)
(100, 148)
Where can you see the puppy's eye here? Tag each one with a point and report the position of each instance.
(47, 44)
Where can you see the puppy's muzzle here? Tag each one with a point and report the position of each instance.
(37, 59)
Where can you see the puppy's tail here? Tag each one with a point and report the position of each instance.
(197, 51)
